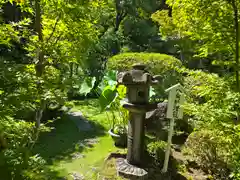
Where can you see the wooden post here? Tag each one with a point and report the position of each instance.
(167, 153)
(174, 111)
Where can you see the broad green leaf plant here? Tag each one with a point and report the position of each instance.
(110, 98)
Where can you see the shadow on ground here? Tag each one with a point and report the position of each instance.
(66, 138)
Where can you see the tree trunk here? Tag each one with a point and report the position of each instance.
(71, 70)
(76, 69)
(39, 66)
(236, 25)
(120, 15)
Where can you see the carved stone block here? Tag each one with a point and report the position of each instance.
(129, 171)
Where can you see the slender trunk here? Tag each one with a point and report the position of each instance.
(118, 21)
(120, 15)
(38, 26)
(39, 66)
(76, 69)
(3, 142)
(71, 70)
(236, 26)
(181, 56)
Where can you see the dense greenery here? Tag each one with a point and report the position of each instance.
(214, 117)
(53, 51)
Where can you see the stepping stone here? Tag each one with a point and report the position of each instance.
(129, 171)
(77, 176)
(91, 142)
(81, 123)
(81, 144)
(87, 142)
(64, 109)
(78, 156)
(94, 169)
(76, 114)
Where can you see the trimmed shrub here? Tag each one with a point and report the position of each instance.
(211, 151)
(213, 105)
(157, 64)
(157, 150)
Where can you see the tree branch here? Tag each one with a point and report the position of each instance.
(58, 38)
(121, 14)
(53, 30)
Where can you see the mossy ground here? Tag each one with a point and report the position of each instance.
(58, 146)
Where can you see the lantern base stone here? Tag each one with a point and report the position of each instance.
(129, 171)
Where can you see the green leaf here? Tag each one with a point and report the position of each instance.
(151, 92)
(111, 75)
(111, 78)
(107, 97)
(87, 85)
(121, 89)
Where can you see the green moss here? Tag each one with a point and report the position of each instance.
(58, 146)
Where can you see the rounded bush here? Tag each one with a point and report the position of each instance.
(157, 64)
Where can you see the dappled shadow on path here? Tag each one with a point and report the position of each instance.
(67, 138)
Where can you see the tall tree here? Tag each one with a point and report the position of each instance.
(40, 63)
(212, 25)
(235, 7)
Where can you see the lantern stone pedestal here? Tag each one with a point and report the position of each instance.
(130, 171)
(138, 83)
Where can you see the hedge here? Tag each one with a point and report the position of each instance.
(157, 63)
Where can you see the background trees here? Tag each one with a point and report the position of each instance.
(210, 27)
(209, 30)
(55, 50)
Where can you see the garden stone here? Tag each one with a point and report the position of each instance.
(81, 144)
(78, 156)
(64, 109)
(77, 176)
(156, 122)
(130, 171)
(94, 169)
(81, 123)
(91, 142)
(157, 114)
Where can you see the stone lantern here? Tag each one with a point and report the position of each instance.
(138, 82)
